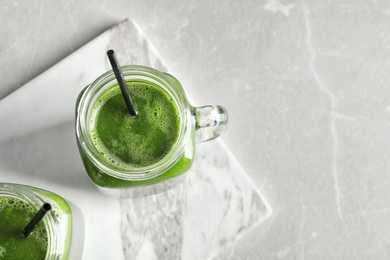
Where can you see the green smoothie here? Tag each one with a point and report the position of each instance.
(135, 141)
(132, 142)
(16, 213)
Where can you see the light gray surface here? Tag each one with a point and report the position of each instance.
(306, 85)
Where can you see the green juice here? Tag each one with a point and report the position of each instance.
(15, 214)
(133, 142)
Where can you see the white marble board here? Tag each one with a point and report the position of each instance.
(216, 205)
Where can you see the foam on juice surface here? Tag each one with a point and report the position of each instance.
(135, 141)
(3, 251)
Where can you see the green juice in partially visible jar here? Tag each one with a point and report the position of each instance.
(14, 215)
(131, 142)
(49, 240)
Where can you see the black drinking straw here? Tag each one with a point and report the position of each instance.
(35, 220)
(121, 81)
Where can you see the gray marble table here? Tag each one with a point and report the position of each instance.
(307, 87)
(195, 217)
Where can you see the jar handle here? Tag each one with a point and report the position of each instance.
(210, 122)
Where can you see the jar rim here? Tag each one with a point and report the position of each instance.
(106, 81)
(50, 220)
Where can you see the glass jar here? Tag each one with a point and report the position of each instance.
(20, 201)
(197, 124)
